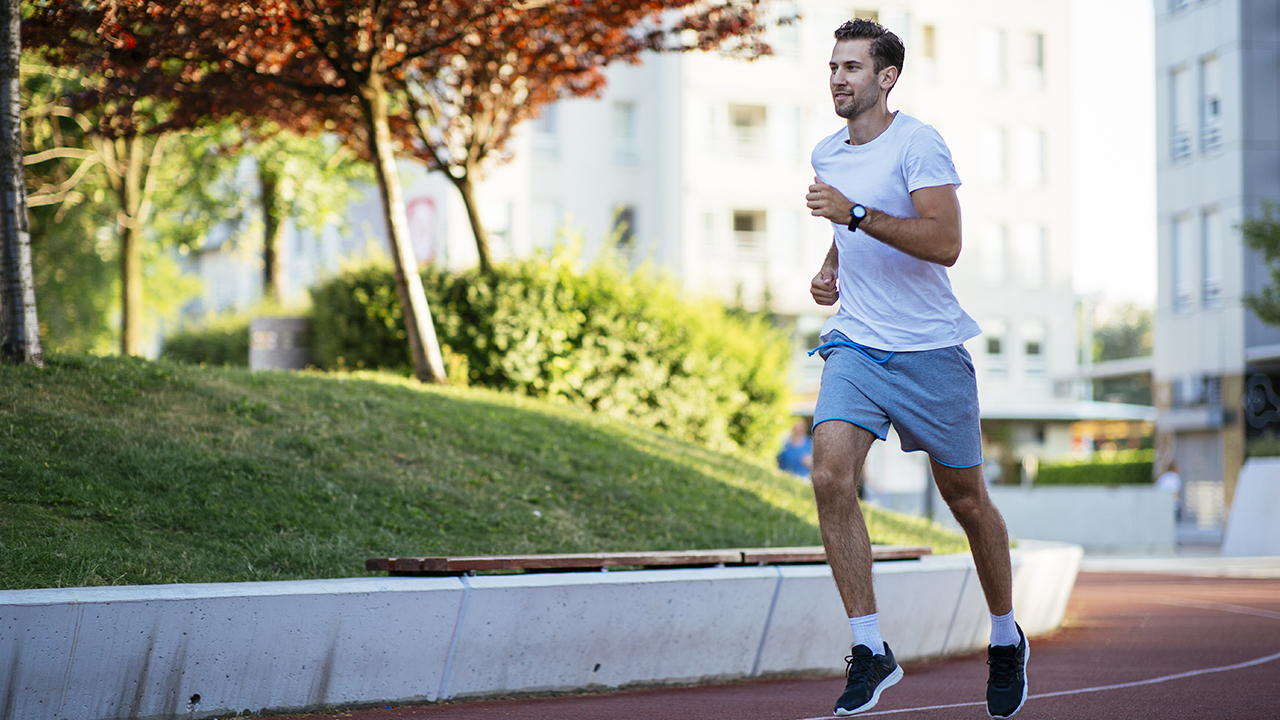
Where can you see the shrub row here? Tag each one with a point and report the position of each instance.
(620, 343)
(221, 342)
(1128, 467)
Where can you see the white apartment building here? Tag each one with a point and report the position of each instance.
(1218, 119)
(699, 164)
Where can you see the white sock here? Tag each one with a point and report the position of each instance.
(1003, 630)
(866, 631)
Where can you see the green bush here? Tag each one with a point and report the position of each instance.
(222, 342)
(1127, 467)
(356, 323)
(1262, 447)
(619, 343)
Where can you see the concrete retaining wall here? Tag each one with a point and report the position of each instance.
(202, 650)
(1133, 517)
(1252, 528)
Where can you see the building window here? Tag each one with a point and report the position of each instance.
(1031, 67)
(624, 229)
(545, 130)
(991, 145)
(1030, 243)
(789, 136)
(1211, 258)
(991, 58)
(929, 42)
(748, 124)
(546, 223)
(1210, 105)
(994, 251)
(785, 30)
(626, 133)
(1029, 157)
(749, 235)
(1033, 347)
(1197, 390)
(993, 339)
(1182, 256)
(1182, 108)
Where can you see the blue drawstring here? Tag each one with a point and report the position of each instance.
(855, 346)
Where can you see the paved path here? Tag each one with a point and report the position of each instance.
(1133, 646)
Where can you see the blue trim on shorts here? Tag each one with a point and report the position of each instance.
(957, 467)
(855, 346)
(864, 427)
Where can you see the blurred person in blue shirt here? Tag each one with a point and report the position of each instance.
(797, 452)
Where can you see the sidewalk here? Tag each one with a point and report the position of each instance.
(1193, 559)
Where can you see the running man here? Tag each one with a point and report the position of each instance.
(894, 354)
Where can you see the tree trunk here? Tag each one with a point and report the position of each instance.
(467, 189)
(127, 190)
(428, 362)
(131, 169)
(130, 287)
(19, 325)
(273, 232)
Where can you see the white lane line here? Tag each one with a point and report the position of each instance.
(1167, 600)
(1100, 688)
(1225, 607)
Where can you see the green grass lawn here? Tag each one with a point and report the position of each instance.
(124, 471)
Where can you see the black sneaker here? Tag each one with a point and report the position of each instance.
(1007, 681)
(868, 676)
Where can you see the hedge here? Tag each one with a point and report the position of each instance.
(1127, 467)
(624, 344)
(221, 342)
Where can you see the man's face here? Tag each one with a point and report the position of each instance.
(855, 85)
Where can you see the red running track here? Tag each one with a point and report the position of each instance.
(1132, 646)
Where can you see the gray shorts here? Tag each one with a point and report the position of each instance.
(930, 397)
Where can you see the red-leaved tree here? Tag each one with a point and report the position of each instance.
(463, 111)
(346, 66)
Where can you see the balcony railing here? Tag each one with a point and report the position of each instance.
(1180, 146)
(1211, 137)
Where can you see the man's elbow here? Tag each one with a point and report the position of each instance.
(950, 252)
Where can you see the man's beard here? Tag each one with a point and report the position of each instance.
(858, 104)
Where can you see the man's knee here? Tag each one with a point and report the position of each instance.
(832, 484)
(969, 506)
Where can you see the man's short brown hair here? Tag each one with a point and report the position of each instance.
(886, 48)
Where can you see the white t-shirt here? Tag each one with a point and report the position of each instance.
(888, 299)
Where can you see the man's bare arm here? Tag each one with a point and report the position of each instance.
(933, 237)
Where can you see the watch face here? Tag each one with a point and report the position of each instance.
(859, 211)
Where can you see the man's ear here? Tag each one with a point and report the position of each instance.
(888, 78)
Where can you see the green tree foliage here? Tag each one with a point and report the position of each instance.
(73, 261)
(1263, 235)
(1126, 333)
(309, 180)
(76, 216)
(619, 343)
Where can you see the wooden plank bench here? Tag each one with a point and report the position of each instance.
(437, 566)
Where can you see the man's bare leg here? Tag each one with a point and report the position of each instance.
(965, 492)
(839, 451)
(966, 495)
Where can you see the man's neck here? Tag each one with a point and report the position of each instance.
(870, 125)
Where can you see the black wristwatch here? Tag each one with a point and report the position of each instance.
(856, 215)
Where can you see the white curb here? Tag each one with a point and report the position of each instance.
(192, 651)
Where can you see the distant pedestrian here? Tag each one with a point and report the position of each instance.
(1171, 480)
(796, 456)
(894, 354)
